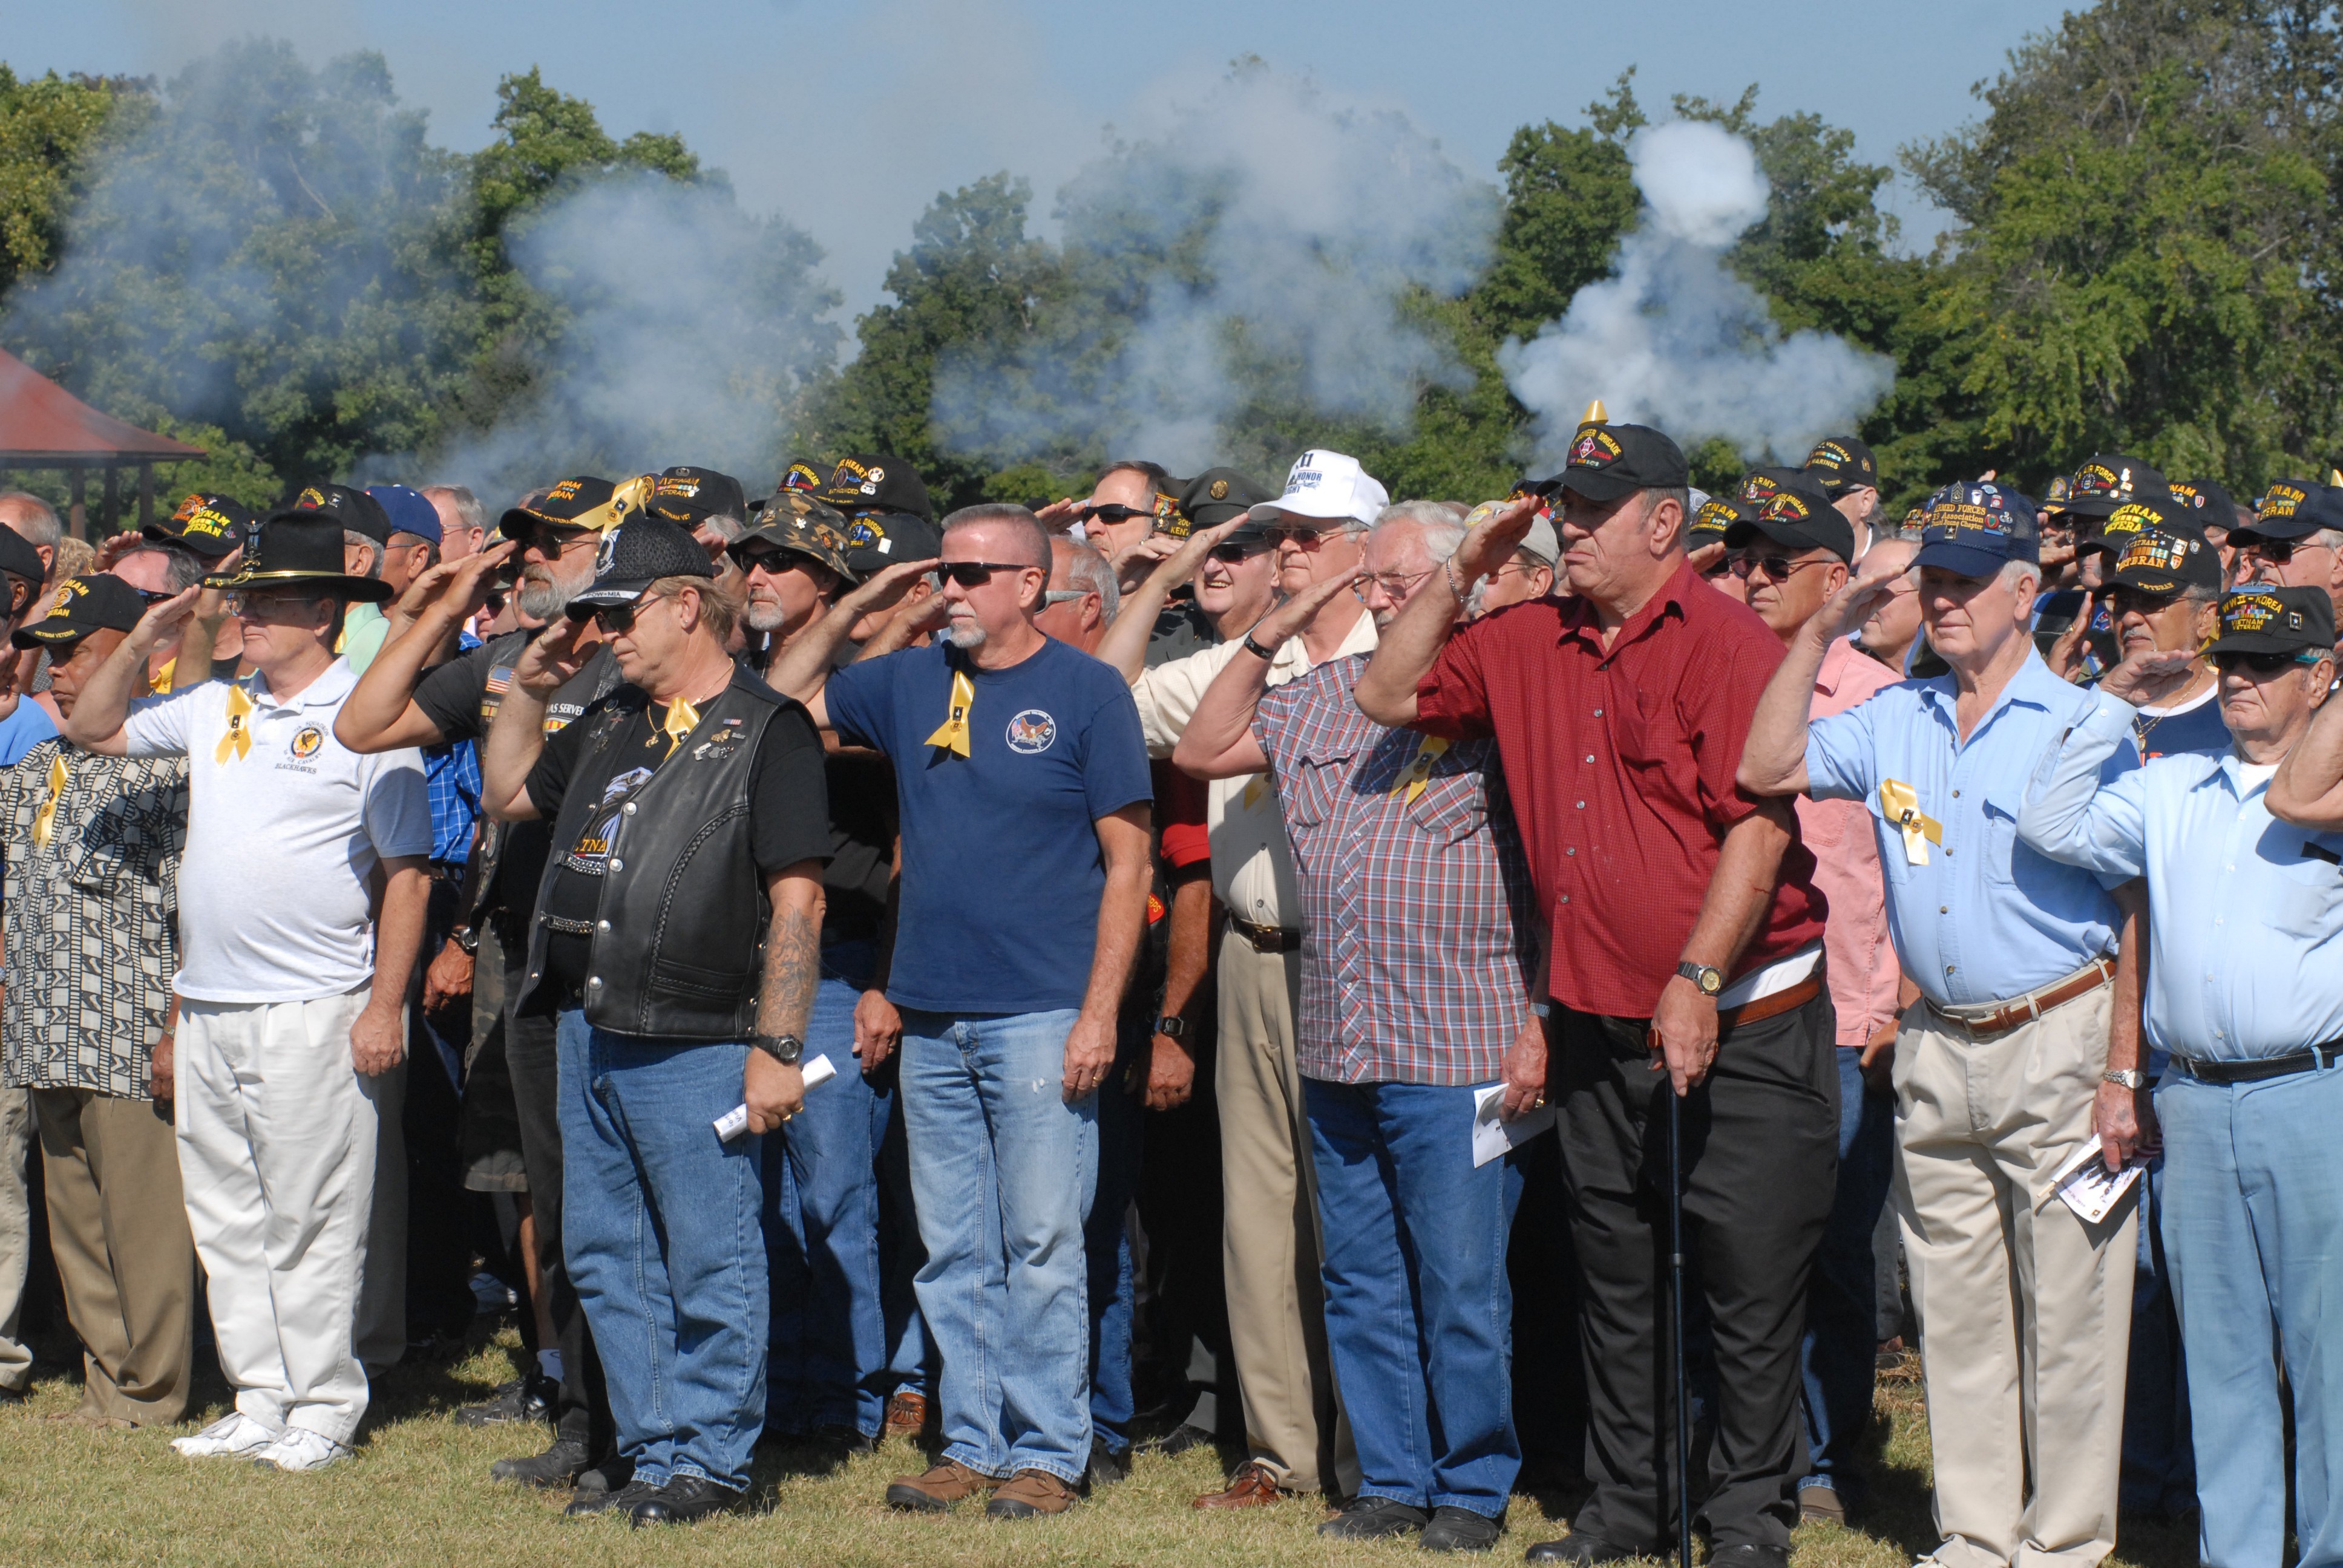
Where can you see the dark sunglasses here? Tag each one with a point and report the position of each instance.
(2262, 663)
(1299, 533)
(976, 574)
(1241, 549)
(774, 561)
(621, 618)
(2128, 600)
(1113, 512)
(1779, 568)
(2278, 552)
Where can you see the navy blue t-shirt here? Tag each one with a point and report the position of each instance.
(2198, 728)
(1001, 869)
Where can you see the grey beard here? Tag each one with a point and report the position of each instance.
(542, 598)
(966, 634)
(763, 617)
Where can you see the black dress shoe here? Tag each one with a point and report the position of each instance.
(1106, 1467)
(558, 1467)
(1373, 1518)
(584, 1503)
(1179, 1440)
(1750, 1555)
(1461, 1530)
(525, 1400)
(1578, 1550)
(684, 1498)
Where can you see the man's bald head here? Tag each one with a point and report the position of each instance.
(33, 521)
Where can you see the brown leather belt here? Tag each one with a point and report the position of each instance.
(1773, 1006)
(2034, 1004)
(1267, 939)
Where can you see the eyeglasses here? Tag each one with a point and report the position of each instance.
(772, 562)
(1234, 550)
(1308, 536)
(2263, 663)
(976, 574)
(620, 618)
(266, 607)
(1113, 512)
(2278, 552)
(549, 541)
(1780, 569)
(2125, 601)
(1394, 585)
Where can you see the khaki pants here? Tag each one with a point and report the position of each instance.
(118, 1228)
(15, 1237)
(1270, 1246)
(2024, 1311)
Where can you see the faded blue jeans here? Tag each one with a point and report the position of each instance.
(1002, 1172)
(662, 1239)
(1418, 1308)
(2253, 1234)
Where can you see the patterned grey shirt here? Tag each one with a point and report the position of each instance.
(92, 916)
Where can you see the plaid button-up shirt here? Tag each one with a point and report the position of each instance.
(1419, 930)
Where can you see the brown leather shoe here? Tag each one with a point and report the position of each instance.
(1028, 1495)
(906, 1416)
(1253, 1486)
(940, 1488)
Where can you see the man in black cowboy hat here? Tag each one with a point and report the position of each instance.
(283, 1032)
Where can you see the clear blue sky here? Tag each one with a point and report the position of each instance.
(849, 115)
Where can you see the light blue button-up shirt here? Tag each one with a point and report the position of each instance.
(2245, 911)
(1986, 919)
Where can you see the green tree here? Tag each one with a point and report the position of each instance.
(48, 128)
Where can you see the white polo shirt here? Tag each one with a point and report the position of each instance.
(282, 835)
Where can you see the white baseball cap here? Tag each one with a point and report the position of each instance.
(1327, 485)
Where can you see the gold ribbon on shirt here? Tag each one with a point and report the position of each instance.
(238, 739)
(1902, 804)
(159, 683)
(682, 718)
(1254, 792)
(45, 823)
(952, 733)
(1418, 771)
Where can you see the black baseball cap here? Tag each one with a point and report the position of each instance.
(1975, 530)
(210, 526)
(2292, 509)
(876, 484)
(636, 554)
(357, 512)
(2160, 561)
(877, 540)
(793, 521)
(1757, 487)
(81, 606)
(1842, 463)
(1715, 519)
(689, 495)
(2104, 483)
(1801, 517)
(1609, 461)
(1216, 495)
(2133, 517)
(801, 475)
(587, 502)
(19, 558)
(2276, 621)
(2207, 502)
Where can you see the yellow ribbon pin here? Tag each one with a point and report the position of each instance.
(1902, 804)
(952, 733)
(160, 682)
(45, 823)
(682, 718)
(238, 739)
(1254, 792)
(1418, 771)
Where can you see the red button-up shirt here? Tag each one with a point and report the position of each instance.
(1621, 766)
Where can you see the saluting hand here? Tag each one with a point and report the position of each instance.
(459, 587)
(1288, 619)
(552, 659)
(1852, 605)
(161, 617)
(1492, 544)
(2149, 675)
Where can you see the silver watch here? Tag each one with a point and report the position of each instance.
(2130, 1078)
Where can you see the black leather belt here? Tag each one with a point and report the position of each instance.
(2259, 1067)
(1267, 939)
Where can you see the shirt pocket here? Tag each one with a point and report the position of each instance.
(1305, 790)
(2000, 844)
(2308, 897)
(1890, 840)
(1452, 807)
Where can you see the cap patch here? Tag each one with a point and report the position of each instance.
(2156, 551)
(2097, 480)
(2254, 612)
(2283, 501)
(801, 476)
(1786, 505)
(1595, 448)
(311, 499)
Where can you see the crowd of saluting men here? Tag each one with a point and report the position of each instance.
(1061, 971)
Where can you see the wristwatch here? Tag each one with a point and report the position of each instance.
(2129, 1077)
(1708, 976)
(1171, 1026)
(784, 1048)
(466, 938)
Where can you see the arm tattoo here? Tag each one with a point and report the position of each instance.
(792, 971)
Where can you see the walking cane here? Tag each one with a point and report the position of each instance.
(1676, 1322)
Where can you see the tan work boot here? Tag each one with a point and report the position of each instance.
(1030, 1495)
(940, 1488)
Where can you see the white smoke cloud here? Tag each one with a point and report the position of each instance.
(1257, 225)
(1674, 340)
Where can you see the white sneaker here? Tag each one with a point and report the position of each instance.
(299, 1450)
(234, 1435)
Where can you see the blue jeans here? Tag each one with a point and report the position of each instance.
(1419, 1311)
(1112, 1282)
(823, 1229)
(1003, 1172)
(2159, 1473)
(2253, 1233)
(660, 1234)
(1840, 1353)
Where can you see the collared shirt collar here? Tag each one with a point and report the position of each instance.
(2033, 685)
(337, 682)
(1579, 620)
(2230, 772)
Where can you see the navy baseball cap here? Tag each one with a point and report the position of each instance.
(2292, 509)
(408, 511)
(1975, 529)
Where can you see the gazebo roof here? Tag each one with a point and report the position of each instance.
(42, 425)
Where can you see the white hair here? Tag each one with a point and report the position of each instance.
(1087, 571)
(39, 523)
(2012, 570)
(1443, 524)
(373, 547)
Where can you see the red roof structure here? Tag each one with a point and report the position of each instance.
(43, 425)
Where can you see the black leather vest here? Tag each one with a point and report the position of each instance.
(679, 934)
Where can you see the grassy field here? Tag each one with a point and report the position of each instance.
(418, 1493)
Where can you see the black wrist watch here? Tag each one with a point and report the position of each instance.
(466, 938)
(785, 1048)
(1266, 655)
(1708, 976)
(1171, 1026)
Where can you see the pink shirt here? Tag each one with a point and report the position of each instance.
(1860, 959)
